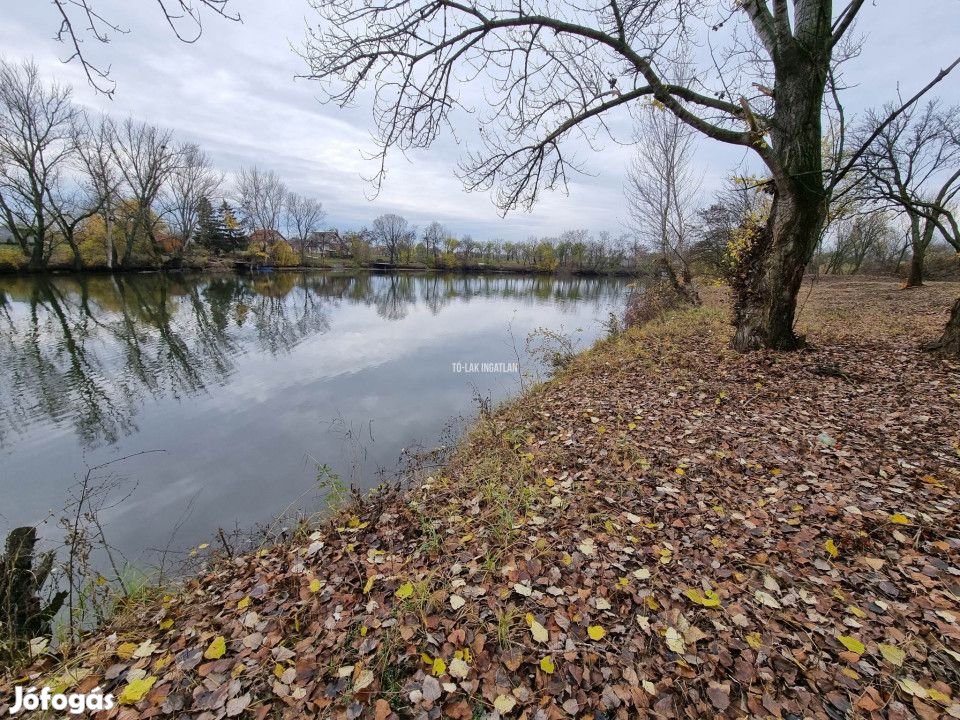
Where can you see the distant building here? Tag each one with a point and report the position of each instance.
(324, 242)
(6, 237)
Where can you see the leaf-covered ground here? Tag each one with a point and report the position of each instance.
(667, 529)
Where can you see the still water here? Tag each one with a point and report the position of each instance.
(246, 385)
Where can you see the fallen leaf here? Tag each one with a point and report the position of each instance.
(765, 598)
(237, 705)
(707, 599)
(136, 690)
(459, 668)
(831, 547)
(504, 704)
(852, 644)
(404, 591)
(892, 654)
(546, 664)
(596, 632)
(675, 641)
(216, 649)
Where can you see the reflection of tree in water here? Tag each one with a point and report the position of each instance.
(90, 350)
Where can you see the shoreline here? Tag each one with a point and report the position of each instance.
(665, 527)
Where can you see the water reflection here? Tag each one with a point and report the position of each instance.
(247, 382)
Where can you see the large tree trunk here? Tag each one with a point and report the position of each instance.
(949, 342)
(917, 248)
(770, 272)
(915, 277)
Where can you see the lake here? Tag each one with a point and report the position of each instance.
(248, 384)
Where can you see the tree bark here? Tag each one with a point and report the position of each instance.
(949, 342)
(771, 270)
(915, 276)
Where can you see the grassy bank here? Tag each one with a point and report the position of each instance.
(665, 529)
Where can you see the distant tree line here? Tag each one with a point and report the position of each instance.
(102, 192)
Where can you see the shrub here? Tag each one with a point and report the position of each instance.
(648, 303)
(282, 255)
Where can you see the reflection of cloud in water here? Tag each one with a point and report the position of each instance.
(238, 379)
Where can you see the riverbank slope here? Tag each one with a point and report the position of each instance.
(665, 529)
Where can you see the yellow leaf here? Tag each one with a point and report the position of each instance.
(504, 704)
(596, 632)
(278, 670)
(831, 547)
(680, 471)
(854, 610)
(126, 650)
(851, 643)
(938, 696)
(217, 648)
(243, 604)
(439, 667)
(899, 519)
(166, 624)
(136, 689)
(404, 591)
(708, 599)
(369, 584)
(754, 640)
(892, 654)
(315, 585)
(546, 664)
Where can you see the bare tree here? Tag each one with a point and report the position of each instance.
(304, 215)
(662, 190)
(101, 173)
(856, 238)
(146, 160)
(393, 233)
(72, 204)
(192, 178)
(913, 166)
(560, 70)
(80, 19)
(36, 150)
(261, 195)
(433, 237)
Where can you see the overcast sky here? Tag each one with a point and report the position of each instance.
(234, 93)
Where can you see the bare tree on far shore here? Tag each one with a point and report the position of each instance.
(36, 151)
(193, 178)
(304, 215)
(146, 159)
(392, 233)
(261, 195)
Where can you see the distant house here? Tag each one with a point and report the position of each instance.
(263, 240)
(6, 237)
(324, 242)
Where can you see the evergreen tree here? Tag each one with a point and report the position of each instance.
(234, 237)
(219, 229)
